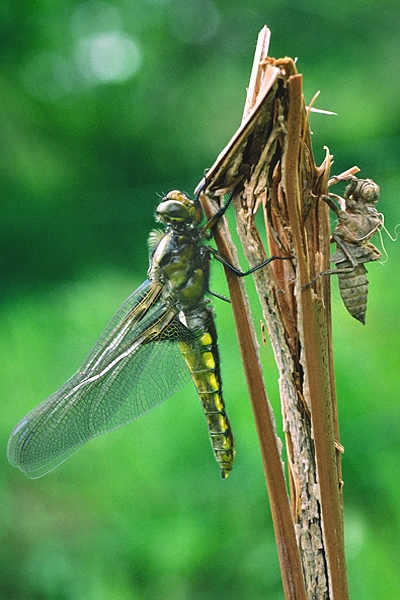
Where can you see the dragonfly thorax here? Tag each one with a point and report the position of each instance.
(181, 263)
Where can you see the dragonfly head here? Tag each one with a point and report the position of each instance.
(360, 193)
(177, 209)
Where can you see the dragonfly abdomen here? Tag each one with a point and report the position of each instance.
(353, 287)
(203, 362)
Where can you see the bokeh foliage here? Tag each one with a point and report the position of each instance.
(104, 105)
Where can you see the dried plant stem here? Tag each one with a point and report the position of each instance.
(269, 445)
(269, 163)
(314, 339)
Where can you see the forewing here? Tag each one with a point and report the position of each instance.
(122, 325)
(135, 365)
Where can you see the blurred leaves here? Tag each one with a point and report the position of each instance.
(100, 100)
(103, 106)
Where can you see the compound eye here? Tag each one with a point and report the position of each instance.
(193, 206)
(172, 211)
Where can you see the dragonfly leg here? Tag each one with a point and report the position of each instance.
(220, 213)
(220, 296)
(348, 254)
(240, 273)
(330, 272)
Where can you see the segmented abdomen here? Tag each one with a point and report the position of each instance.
(354, 291)
(204, 365)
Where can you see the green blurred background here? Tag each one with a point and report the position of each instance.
(104, 105)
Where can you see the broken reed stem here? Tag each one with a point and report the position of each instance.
(292, 576)
(299, 327)
(314, 331)
(269, 163)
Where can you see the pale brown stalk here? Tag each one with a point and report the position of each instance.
(269, 165)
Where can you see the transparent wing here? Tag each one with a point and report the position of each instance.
(133, 367)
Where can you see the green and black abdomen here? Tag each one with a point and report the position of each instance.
(203, 362)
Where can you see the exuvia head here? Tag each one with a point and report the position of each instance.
(178, 209)
(369, 191)
(361, 192)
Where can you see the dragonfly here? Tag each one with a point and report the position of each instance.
(358, 222)
(162, 335)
